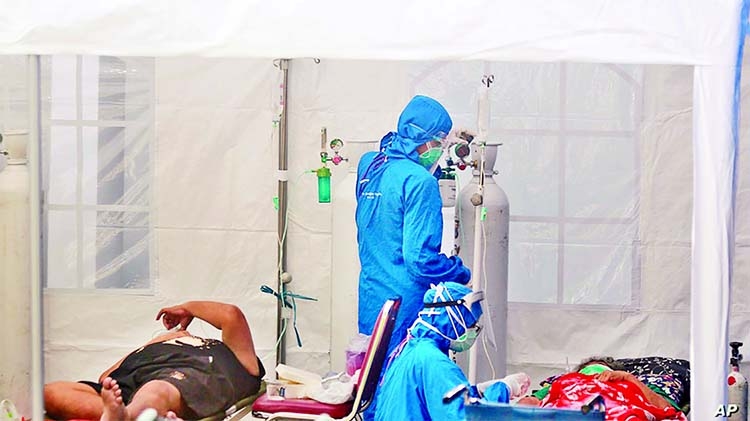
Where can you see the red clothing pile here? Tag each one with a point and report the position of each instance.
(623, 401)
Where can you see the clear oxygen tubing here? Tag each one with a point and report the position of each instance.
(476, 264)
(37, 316)
(488, 335)
(483, 112)
(493, 265)
(282, 221)
(280, 335)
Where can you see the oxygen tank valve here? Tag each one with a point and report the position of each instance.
(736, 356)
(466, 135)
(737, 386)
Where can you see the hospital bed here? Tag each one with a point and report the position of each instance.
(497, 411)
(480, 410)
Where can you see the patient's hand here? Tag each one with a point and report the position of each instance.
(174, 316)
(529, 401)
(617, 375)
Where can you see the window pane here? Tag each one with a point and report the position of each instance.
(116, 167)
(62, 164)
(528, 172)
(599, 263)
(61, 246)
(90, 87)
(117, 250)
(538, 108)
(96, 171)
(455, 83)
(601, 96)
(532, 268)
(119, 88)
(600, 177)
(62, 87)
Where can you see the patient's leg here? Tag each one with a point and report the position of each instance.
(70, 400)
(157, 394)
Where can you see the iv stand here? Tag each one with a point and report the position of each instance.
(477, 200)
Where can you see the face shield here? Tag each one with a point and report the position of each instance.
(431, 151)
(467, 301)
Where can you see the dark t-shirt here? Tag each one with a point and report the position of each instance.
(208, 375)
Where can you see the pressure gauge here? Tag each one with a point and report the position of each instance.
(337, 144)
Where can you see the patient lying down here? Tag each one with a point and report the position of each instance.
(113, 409)
(177, 374)
(623, 395)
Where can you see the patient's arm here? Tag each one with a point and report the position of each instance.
(653, 397)
(235, 332)
(529, 401)
(228, 318)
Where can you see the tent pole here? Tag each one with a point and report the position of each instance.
(282, 193)
(36, 308)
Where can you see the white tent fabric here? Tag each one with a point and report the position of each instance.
(701, 34)
(712, 243)
(686, 32)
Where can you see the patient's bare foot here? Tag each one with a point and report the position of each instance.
(114, 409)
(172, 416)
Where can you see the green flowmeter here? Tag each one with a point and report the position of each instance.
(324, 184)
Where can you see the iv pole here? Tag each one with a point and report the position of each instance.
(477, 200)
(282, 191)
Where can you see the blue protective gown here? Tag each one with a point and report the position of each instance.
(417, 378)
(399, 221)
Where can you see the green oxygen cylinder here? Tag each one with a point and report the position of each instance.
(324, 184)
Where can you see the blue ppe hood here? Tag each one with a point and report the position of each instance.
(422, 119)
(439, 317)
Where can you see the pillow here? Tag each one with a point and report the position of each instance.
(670, 375)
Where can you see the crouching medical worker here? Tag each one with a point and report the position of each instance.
(399, 217)
(420, 372)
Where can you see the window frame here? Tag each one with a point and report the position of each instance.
(562, 133)
(79, 207)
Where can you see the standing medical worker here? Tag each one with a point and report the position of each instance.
(420, 372)
(399, 217)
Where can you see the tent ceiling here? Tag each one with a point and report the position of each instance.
(641, 31)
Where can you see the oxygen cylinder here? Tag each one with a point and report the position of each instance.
(492, 273)
(345, 257)
(15, 292)
(737, 385)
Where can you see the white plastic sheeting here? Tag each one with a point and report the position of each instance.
(15, 364)
(627, 190)
(702, 34)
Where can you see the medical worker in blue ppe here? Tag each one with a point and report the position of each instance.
(420, 372)
(399, 218)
